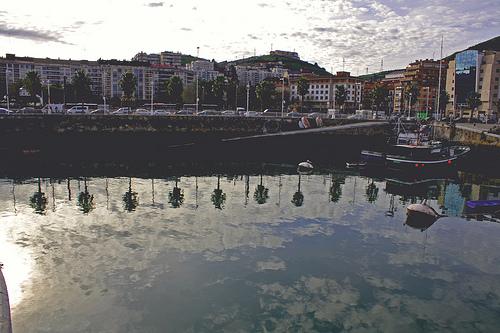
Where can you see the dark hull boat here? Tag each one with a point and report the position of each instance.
(413, 157)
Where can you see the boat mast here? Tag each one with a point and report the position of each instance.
(439, 82)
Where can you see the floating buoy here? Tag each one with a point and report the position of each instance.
(306, 166)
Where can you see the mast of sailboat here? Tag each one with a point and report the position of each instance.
(439, 82)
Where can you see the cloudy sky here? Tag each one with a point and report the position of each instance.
(324, 31)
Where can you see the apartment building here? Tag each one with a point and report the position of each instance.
(105, 75)
(255, 75)
(474, 72)
(321, 94)
(204, 70)
(171, 58)
(152, 58)
(424, 74)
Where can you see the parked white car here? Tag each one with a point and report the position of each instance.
(78, 109)
(125, 110)
(142, 112)
(4, 111)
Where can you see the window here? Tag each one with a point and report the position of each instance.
(480, 87)
(495, 87)
(496, 79)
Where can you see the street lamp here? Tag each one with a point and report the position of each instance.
(282, 96)
(196, 73)
(358, 84)
(7, 86)
(248, 94)
(409, 106)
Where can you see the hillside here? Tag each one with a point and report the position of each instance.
(377, 76)
(492, 44)
(288, 63)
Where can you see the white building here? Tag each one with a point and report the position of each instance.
(255, 75)
(204, 69)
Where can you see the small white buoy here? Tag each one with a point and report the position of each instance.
(305, 167)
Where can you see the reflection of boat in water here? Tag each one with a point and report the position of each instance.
(483, 210)
(421, 216)
(5, 320)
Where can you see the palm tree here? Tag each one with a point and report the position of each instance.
(218, 197)
(174, 90)
(176, 197)
(336, 189)
(85, 199)
(371, 192)
(261, 193)
(38, 201)
(298, 197)
(130, 198)
(302, 90)
(340, 96)
(33, 84)
(81, 84)
(473, 101)
(128, 83)
(265, 91)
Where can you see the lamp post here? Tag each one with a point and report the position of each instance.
(358, 84)
(248, 94)
(427, 102)
(152, 90)
(7, 87)
(236, 97)
(282, 96)
(409, 106)
(196, 73)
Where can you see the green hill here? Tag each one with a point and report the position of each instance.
(288, 63)
(492, 44)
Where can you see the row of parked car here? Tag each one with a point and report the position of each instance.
(86, 110)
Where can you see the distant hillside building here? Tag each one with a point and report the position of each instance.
(152, 58)
(204, 69)
(255, 75)
(288, 54)
(474, 71)
(171, 58)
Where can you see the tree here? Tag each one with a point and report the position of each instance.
(340, 96)
(302, 90)
(444, 99)
(473, 101)
(38, 201)
(176, 197)
(81, 84)
(381, 98)
(33, 84)
(85, 199)
(218, 87)
(261, 193)
(265, 91)
(174, 89)
(218, 196)
(189, 94)
(128, 84)
(130, 200)
(411, 93)
(336, 189)
(372, 192)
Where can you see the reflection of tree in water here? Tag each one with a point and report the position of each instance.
(130, 198)
(218, 197)
(261, 193)
(176, 197)
(336, 188)
(85, 199)
(298, 197)
(38, 201)
(372, 192)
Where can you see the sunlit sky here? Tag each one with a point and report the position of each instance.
(363, 32)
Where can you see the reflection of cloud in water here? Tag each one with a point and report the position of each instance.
(88, 269)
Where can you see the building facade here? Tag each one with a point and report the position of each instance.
(105, 75)
(474, 72)
(321, 93)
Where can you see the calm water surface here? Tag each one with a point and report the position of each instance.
(328, 252)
